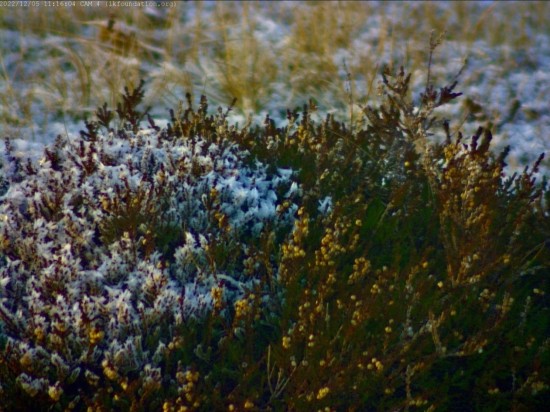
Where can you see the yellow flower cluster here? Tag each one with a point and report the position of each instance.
(95, 336)
(418, 402)
(223, 221)
(242, 308)
(217, 297)
(286, 342)
(323, 392)
(55, 392)
(292, 252)
(329, 248)
(283, 207)
(187, 399)
(39, 333)
(361, 267)
(375, 364)
(109, 370)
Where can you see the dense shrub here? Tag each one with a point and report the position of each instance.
(115, 241)
(318, 266)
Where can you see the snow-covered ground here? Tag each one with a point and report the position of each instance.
(278, 53)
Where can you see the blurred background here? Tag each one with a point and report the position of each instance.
(58, 64)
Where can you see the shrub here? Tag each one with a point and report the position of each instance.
(115, 242)
(311, 267)
(420, 289)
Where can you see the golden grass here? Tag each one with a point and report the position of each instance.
(221, 54)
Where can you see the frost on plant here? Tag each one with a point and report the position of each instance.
(113, 241)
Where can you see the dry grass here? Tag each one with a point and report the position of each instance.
(65, 64)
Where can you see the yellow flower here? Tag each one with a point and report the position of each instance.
(108, 370)
(192, 376)
(39, 333)
(248, 405)
(286, 342)
(323, 392)
(26, 360)
(55, 392)
(95, 336)
(241, 308)
(217, 293)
